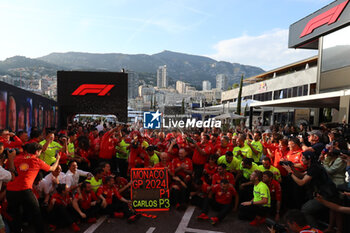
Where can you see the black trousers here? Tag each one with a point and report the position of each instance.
(178, 196)
(117, 206)
(62, 216)
(251, 211)
(122, 167)
(198, 171)
(223, 210)
(24, 199)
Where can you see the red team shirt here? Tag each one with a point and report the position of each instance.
(108, 193)
(228, 176)
(27, 167)
(221, 197)
(85, 199)
(275, 190)
(107, 148)
(60, 199)
(200, 159)
(177, 163)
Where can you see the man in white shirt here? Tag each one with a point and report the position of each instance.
(48, 185)
(73, 174)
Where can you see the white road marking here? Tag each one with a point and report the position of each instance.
(182, 228)
(94, 226)
(150, 230)
(201, 231)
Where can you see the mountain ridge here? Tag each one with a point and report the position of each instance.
(180, 66)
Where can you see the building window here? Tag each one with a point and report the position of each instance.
(300, 90)
(295, 91)
(305, 89)
(289, 92)
(312, 88)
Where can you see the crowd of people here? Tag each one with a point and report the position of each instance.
(69, 176)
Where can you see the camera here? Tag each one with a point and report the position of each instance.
(278, 227)
(9, 150)
(287, 163)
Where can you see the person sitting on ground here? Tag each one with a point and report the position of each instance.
(223, 174)
(86, 203)
(60, 209)
(222, 201)
(112, 201)
(275, 192)
(200, 190)
(73, 174)
(260, 205)
(49, 183)
(96, 180)
(210, 168)
(243, 180)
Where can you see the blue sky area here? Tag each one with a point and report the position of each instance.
(253, 32)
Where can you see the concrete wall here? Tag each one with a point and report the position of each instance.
(298, 78)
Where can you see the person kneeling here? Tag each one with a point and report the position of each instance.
(260, 205)
(60, 209)
(222, 201)
(112, 201)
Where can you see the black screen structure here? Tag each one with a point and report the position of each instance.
(84, 92)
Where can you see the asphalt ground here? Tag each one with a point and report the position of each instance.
(171, 221)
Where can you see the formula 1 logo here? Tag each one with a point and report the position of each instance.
(99, 89)
(328, 17)
(151, 120)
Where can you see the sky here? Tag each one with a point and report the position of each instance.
(250, 32)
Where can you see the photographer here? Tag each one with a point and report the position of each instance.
(315, 141)
(296, 223)
(19, 191)
(317, 181)
(9, 139)
(6, 176)
(333, 163)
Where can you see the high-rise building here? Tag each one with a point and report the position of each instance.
(221, 82)
(206, 85)
(181, 87)
(162, 79)
(133, 79)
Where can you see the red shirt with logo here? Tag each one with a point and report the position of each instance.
(210, 169)
(85, 199)
(222, 197)
(295, 157)
(202, 159)
(17, 143)
(187, 163)
(223, 150)
(27, 167)
(107, 147)
(108, 193)
(275, 190)
(278, 156)
(228, 176)
(60, 199)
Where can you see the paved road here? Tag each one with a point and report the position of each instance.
(173, 222)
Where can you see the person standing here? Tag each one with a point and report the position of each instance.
(19, 191)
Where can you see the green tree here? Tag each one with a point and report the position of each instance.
(235, 85)
(239, 99)
(183, 106)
